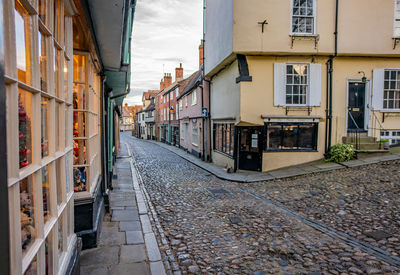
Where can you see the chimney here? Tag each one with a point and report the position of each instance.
(162, 85)
(167, 80)
(179, 73)
(201, 53)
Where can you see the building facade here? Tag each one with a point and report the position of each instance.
(126, 122)
(168, 116)
(283, 93)
(54, 94)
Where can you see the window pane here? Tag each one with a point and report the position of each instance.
(66, 92)
(49, 254)
(44, 126)
(46, 193)
(61, 236)
(290, 136)
(25, 127)
(59, 180)
(42, 10)
(79, 124)
(80, 155)
(273, 136)
(23, 43)
(306, 136)
(79, 67)
(79, 94)
(57, 54)
(80, 176)
(43, 62)
(32, 268)
(57, 20)
(28, 231)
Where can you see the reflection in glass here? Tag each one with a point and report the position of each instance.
(23, 43)
(44, 107)
(43, 62)
(46, 193)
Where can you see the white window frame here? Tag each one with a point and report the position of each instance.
(176, 111)
(396, 18)
(186, 101)
(388, 134)
(307, 85)
(195, 127)
(394, 90)
(314, 33)
(177, 92)
(194, 97)
(181, 105)
(171, 95)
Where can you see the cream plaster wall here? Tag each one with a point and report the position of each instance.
(247, 35)
(225, 94)
(276, 160)
(222, 160)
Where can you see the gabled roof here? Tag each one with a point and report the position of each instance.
(191, 82)
(150, 93)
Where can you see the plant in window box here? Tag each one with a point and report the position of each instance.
(341, 152)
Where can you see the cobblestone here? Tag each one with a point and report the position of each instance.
(234, 233)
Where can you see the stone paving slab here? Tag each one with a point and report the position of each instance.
(153, 251)
(157, 268)
(130, 269)
(132, 253)
(112, 238)
(134, 237)
(100, 256)
(125, 215)
(94, 270)
(130, 226)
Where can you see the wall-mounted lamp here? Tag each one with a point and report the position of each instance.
(363, 79)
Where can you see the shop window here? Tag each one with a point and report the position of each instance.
(44, 106)
(67, 179)
(57, 72)
(61, 236)
(67, 127)
(79, 68)
(66, 92)
(43, 11)
(43, 62)
(57, 20)
(59, 181)
(49, 255)
(79, 93)
(46, 193)
(80, 154)
(25, 128)
(291, 136)
(224, 138)
(57, 120)
(23, 43)
(80, 179)
(79, 124)
(28, 229)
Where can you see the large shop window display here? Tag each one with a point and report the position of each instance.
(28, 231)
(25, 128)
(79, 124)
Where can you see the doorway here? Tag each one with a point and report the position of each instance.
(250, 148)
(356, 106)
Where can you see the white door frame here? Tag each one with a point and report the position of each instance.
(367, 105)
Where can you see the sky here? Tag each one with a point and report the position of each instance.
(165, 33)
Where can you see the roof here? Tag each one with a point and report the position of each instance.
(150, 93)
(191, 82)
(151, 107)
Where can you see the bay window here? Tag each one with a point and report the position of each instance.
(224, 137)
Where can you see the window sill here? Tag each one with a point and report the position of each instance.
(390, 110)
(303, 36)
(291, 150)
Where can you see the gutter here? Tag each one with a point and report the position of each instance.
(329, 85)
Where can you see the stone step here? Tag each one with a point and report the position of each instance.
(369, 146)
(352, 139)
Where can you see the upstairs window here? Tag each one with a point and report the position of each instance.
(296, 84)
(396, 29)
(303, 17)
(194, 98)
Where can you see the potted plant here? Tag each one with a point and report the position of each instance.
(385, 143)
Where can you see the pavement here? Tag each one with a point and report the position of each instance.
(127, 242)
(292, 171)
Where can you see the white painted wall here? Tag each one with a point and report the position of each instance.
(225, 94)
(218, 32)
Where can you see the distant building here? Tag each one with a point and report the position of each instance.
(126, 121)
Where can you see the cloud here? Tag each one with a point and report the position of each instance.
(165, 33)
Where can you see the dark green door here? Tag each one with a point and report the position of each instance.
(356, 106)
(250, 148)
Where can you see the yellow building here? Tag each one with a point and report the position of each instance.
(291, 78)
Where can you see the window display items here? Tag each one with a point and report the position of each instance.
(25, 153)
(27, 214)
(80, 179)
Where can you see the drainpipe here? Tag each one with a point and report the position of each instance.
(329, 65)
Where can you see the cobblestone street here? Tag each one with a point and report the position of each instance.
(340, 222)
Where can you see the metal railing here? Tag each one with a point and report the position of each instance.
(354, 134)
